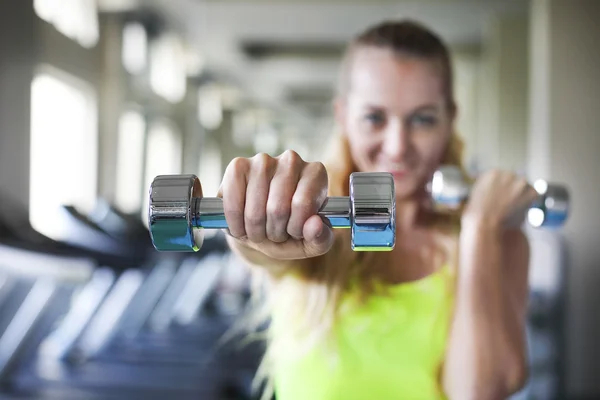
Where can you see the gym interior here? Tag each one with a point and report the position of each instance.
(98, 97)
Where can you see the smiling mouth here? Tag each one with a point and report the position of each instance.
(398, 174)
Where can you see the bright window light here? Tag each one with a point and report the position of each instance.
(130, 161)
(209, 169)
(245, 124)
(299, 146)
(116, 6)
(163, 157)
(266, 140)
(210, 106)
(76, 19)
(63, 149)
(168, 71)
(210, 173)
(135, 48)
(194, 63)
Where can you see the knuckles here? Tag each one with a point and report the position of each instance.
(238, 166)
(278, 210)
(304, 204)
(500, 182)
(290, 159)
(319, 169)
(255, 219)
(262, 163)
(502, 177)
(317, 172)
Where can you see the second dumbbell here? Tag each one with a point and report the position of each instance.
(449, 189)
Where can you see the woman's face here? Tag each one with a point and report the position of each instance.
(396, 117)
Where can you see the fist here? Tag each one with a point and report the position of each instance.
(271, 204)
(499, 198)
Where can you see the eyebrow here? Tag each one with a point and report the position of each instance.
(374, 107)
(424, 107)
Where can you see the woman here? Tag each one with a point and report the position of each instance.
(440, 316)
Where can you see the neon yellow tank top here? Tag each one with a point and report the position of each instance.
(392, 347)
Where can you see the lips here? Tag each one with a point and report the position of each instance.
(398, 174)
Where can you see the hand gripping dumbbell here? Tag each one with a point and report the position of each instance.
(449, 190)
(178, 213)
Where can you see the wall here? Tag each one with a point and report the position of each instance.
(513, 76)
(17, 54)
(111, 99)
(563, 145)
(502, 96)
(466, 65)
(28, 42)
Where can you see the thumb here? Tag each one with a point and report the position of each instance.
(318, 237)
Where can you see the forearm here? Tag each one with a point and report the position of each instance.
(485, 358)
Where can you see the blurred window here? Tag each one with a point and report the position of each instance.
(76, 19)
(210, 107)
(266, 140)
(299, 145)
(209, 168)
(163, 156)
(135, 48)
(130, 161)
(63, 148)
(210, 173)
(245, 124)
(168, 68)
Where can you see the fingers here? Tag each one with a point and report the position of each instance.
(281, 191)
(318, 237)
(272, 204)
(310, 194)
(502, 196)
(233, 192)
(507, 183)
(257, 193)
(523, 192)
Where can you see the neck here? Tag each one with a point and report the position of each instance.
(407, 214)
(411, 213)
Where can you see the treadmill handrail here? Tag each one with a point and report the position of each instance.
(27, 263)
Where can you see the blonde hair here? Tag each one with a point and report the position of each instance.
(311, 294)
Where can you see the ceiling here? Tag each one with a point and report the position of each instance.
(286, 52)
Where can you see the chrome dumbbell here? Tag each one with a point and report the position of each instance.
(178, 213)
(449, 190)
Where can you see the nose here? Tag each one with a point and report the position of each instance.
(397, 142)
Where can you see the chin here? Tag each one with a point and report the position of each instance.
(406, 187)
(403, 190)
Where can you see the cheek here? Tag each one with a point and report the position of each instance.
(363, 149)
(431, 150)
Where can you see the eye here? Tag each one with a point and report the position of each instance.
(376, 118)
(423, 120)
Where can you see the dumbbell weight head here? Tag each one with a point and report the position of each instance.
(449, 190)
(373, 211)
(178, 213)
(551, 209)
(170, 213)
